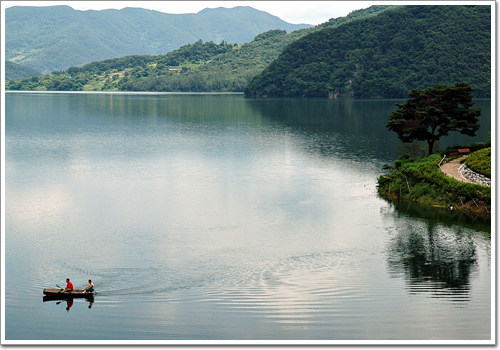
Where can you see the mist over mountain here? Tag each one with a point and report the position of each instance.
(58, 37)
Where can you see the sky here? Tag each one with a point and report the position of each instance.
(310, 12)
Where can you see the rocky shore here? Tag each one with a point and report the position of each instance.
(473, 176)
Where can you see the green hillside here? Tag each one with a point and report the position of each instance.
(58, 37)
(409, 47)
(15, 71)
(194, 67)
(480, 161)
(233, 70)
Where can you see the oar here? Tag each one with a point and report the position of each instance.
(58, 286)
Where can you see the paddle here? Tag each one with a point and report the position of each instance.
(58, 286)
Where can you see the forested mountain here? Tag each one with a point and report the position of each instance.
(409, 47)
(194, 67)
(58, 37)
(16, 71)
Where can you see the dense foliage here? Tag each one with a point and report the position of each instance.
(194, 67)
(421, 180)
(58, 37)
(434, 112)
(387, 55)
(480, 161)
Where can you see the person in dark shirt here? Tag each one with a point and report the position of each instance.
(90, 287)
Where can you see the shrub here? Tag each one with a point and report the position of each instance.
(421, 180)
(480, 161)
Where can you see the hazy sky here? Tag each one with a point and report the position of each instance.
(310, 12)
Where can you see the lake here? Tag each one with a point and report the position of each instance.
(216, 218)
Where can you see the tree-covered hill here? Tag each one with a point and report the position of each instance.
(15, 71)
(113, 73)
(194, 67)
(58, 37)
(404, 48)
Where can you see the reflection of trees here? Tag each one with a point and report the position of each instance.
(340, 116)
(346, 128)
(358, 125)
(441, 216)
(432, 258)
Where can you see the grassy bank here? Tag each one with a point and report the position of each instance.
(420, 180)
(480, 161)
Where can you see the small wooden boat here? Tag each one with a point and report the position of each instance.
(58, 293)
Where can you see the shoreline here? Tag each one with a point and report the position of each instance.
(236, 93)
(468, 209)
(121, 92)
(422, 181)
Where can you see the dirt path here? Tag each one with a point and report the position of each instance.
(451, 169)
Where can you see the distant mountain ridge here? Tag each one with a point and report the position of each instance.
(193, 67)
(58, 37)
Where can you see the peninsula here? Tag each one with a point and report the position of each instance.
(456, 179)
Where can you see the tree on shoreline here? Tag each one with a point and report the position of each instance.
(433, 112)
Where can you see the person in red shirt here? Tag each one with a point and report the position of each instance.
(69, 286)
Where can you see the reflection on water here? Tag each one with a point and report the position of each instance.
(432, 256)
(68, 302)
(442, 216)
(357, 128)
(348, 128)
(209, 217)
(427, 254)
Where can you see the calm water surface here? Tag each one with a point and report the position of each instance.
(217, 217)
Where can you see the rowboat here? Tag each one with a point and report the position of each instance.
(57, 293)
